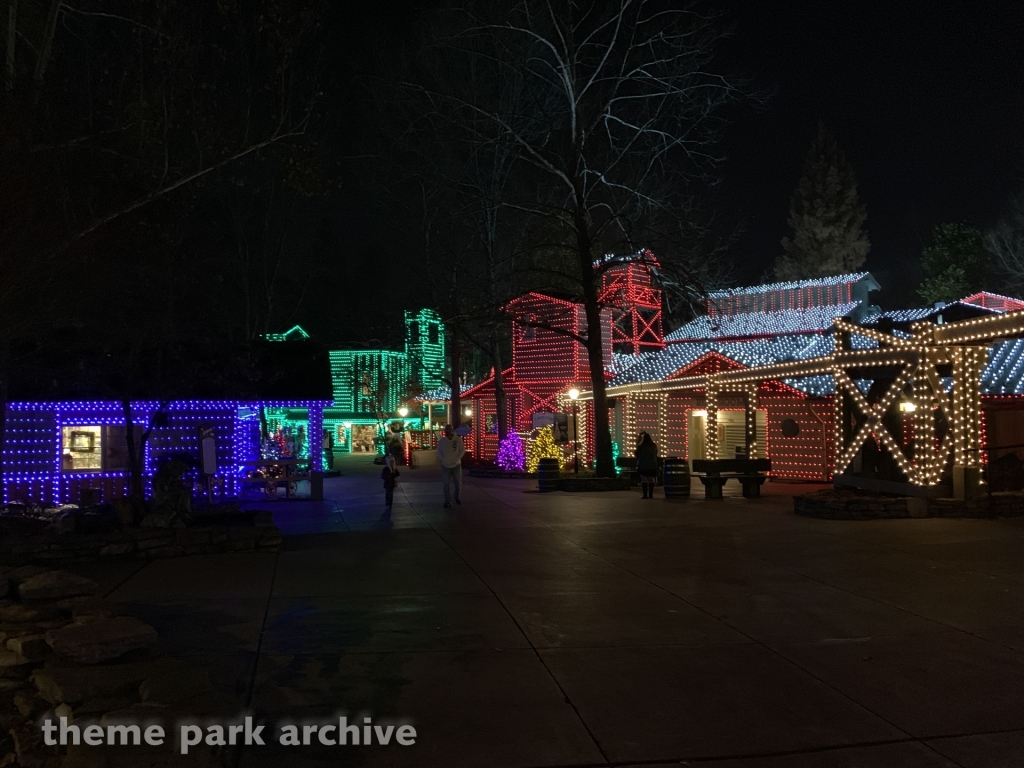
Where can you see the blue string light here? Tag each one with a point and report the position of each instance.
(33, 445)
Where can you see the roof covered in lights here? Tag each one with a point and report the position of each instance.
(950, 313)
(755, 324)
(441, 394)
(755, 352)
(817, 282)
(1003, 375)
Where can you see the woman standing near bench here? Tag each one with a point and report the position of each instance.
(647, 465)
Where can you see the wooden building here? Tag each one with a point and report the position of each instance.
(794, 421)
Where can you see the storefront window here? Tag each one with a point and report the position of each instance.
(82, 448)
(363, 438)
(286, 433)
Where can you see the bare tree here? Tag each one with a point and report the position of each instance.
(613, 115)
(1005, 241)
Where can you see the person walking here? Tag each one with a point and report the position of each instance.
(389, 475)
(328, 448)
(450, 451)
(647, 465)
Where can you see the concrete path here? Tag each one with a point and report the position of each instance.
(526, 629)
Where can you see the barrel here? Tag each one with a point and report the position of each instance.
(547, 475)
(677, 479)
(316, 486)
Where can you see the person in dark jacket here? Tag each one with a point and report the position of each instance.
(390, 476)
(647, 465)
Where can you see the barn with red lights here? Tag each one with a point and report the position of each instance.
(547, 357)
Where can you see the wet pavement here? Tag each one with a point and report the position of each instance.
(527, 629)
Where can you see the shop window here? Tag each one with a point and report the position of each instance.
(92, 448)
(81, 448)
(115, 447)
(364, 438)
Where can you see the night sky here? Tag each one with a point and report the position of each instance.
(925, 98)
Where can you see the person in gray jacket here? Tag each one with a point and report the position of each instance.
(450, 451)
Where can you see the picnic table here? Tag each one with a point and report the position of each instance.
(714, 473)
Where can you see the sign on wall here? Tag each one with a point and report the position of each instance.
(207, 450)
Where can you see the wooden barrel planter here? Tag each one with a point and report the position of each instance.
(677, 479)
(547, 475)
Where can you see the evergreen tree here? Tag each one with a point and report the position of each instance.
(543, 446)
(953, 263)
(826, 215)
(511, 454)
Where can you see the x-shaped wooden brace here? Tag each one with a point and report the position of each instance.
(873, 419)
(540, 401)
(648, 327)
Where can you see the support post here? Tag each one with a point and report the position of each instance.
(628, 447)
(711, 429)
(750, 421)
(967, 367)
(927, 466)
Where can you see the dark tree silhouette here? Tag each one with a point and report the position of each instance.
(954, 263)
(826, 216)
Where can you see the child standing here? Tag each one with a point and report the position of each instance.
(390, 476)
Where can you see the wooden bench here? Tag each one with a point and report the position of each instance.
(714, 473)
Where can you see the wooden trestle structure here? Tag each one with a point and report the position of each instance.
(905, 372)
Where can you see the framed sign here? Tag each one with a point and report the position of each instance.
(542, 419)
(562, 428)
(208, 450)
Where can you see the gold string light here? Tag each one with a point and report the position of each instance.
(963, 344)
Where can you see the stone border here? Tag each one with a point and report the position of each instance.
(844, 504)
(502, 474)
(64, 652)
(145, 543)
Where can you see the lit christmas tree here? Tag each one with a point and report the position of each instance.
(543, 446)
(511, 455)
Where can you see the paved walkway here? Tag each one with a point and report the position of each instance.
(523, 629)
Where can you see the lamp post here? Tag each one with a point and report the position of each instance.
(574, 396)
(403, 412)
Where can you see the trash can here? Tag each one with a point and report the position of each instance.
(316, 486)
(547, 475)
(677, 479)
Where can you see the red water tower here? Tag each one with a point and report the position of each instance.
(627, 286)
